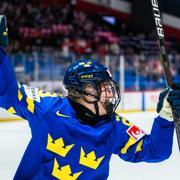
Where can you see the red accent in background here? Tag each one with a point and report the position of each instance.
(171, 32)
(47, 2)
(93, 9)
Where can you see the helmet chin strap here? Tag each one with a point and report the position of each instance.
(96, 108)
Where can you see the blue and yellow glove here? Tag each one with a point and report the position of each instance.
(3, 33)
(174, 98)
(163, 106)
(169, 99)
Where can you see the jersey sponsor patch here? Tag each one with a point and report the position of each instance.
(135, 132)
(32, 93)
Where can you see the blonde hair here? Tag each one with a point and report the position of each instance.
(73, 94)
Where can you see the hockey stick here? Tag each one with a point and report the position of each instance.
(164, 60)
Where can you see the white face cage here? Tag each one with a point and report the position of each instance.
(106, 92)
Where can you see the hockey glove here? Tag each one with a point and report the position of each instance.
(163, 106)
(174, 98)
(3, 33)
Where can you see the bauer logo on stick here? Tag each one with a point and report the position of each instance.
(157, 17)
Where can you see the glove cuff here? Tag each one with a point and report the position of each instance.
(163, 107)
(166, 115)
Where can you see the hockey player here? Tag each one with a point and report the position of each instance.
(74, 137)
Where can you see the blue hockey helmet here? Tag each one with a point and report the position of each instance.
(85, 73)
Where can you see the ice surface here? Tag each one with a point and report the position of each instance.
(15, 136)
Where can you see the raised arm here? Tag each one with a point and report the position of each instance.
(135, 145)
(8, 84)
(27, 102)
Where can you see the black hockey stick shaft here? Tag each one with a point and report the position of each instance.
(165, 61)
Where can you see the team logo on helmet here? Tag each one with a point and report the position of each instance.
(86, 64)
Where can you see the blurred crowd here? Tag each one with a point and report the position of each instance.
(48, 37)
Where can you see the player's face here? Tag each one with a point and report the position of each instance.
(105, 95)
(106, 92)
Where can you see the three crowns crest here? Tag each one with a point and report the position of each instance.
(57, 146)
(90, 160)
(64, 173)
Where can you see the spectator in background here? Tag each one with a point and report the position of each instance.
(38, 25)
